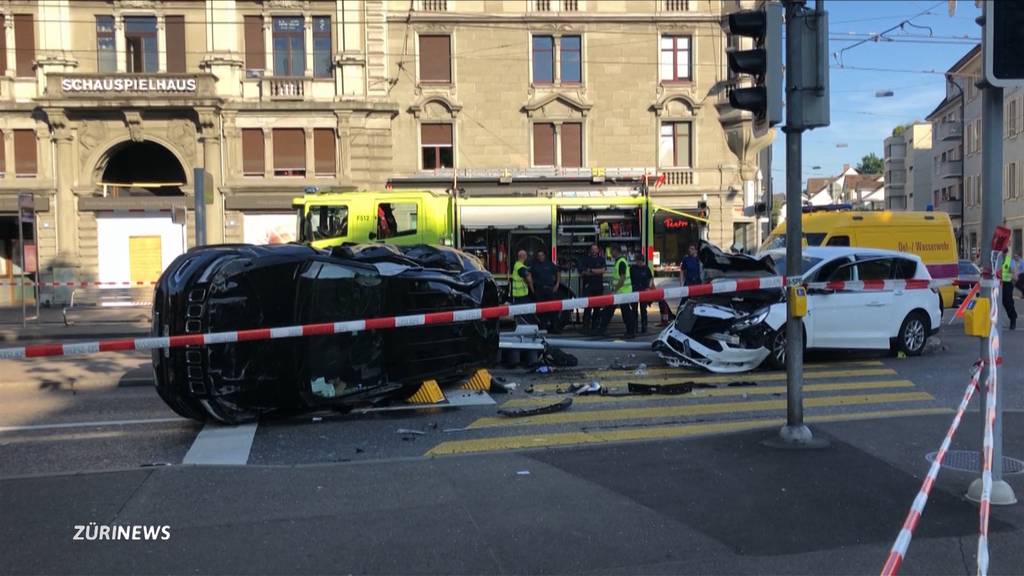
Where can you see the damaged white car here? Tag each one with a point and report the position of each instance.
(738, 332)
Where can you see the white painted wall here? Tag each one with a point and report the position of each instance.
(113, 231)
(269, 228)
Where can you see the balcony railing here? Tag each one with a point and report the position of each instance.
(286, 88)
(951, 169)
(676, 5)
(678, 176)
(951, 131)
(434, 5)
(953, 207)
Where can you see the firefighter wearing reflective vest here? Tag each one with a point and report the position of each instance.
(522, 282)
(621, 284)
(1006, 275)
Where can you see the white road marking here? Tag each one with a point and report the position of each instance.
(222, 445)
(90, 424)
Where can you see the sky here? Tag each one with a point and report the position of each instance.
(860, 120)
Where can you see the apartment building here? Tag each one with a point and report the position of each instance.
(948, 144)
(107, 107)
(908, 167)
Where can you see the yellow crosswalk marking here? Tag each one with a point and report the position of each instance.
(712, 393)
(668, 370)
(654, 432)
(695, 410)
(723, 378)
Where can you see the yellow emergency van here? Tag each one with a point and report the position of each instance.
(926, 234)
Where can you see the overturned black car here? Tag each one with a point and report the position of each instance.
(238, 287)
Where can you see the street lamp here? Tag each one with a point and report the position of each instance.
(883, 94)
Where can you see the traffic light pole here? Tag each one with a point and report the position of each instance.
(795, 431)
(991, 216)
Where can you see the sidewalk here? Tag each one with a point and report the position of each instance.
(712, 505)
(87, 323)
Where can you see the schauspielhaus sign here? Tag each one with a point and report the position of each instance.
(129, 85)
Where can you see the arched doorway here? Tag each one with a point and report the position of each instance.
(140, 224)
(142, 169)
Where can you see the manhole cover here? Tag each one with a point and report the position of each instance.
(970, 461)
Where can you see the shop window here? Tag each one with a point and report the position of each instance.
(25, 164)
(436, 59)
(253, 148)
(396, 219)
(322, 46)
(24, 45)
(570, 57)
(572, 145)
(436, 148)
(106, 45)
(289, 46)
(140, 44)
(543, 144)
(675, 58)
(289, 152)
(324, 152)
(675, 150)
(174, 27)
(543, 59)
(255, 48)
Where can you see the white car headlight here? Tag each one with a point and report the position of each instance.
(753, 319)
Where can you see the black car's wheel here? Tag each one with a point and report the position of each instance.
(913, 334)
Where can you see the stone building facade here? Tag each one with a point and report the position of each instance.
(108, 106)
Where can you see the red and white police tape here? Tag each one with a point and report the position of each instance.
(448, 317)
(990, 422)
(77, 283)
(899, 549)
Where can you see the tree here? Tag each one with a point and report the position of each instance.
(871, 164)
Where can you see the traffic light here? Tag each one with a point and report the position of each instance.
(764, 63)
(1004, 35)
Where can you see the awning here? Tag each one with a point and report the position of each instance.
(507, 217)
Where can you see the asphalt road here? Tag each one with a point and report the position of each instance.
(612, 484)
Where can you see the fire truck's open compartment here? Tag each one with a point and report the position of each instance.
(581, 226)
(494, 234)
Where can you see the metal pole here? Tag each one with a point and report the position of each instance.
(795, 431)
(21, 259)
(992, 216)
(198, 182)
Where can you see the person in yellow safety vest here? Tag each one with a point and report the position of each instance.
(1006, 275)
(621, 284)
(522, 282)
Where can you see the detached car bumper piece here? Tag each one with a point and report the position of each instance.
(239, 287)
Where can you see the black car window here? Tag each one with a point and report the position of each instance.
(839, 241)
(878, 269)
(903, 269)
(825, 272)
(814, 238)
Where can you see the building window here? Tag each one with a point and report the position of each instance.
(571, 145)
(676, 145)
(571, 59)
(255, 47)
(543, 144)
(25, 165)
(140, 44)
(675, 58)
(289, 152)
(253, 152)
(106, 45)
(1010, 185)
(324, 152)
(436, 149)
(543, 59)
(24, 45)
(289, 46)
(174, 29)
(436, 59)
(321, 46)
